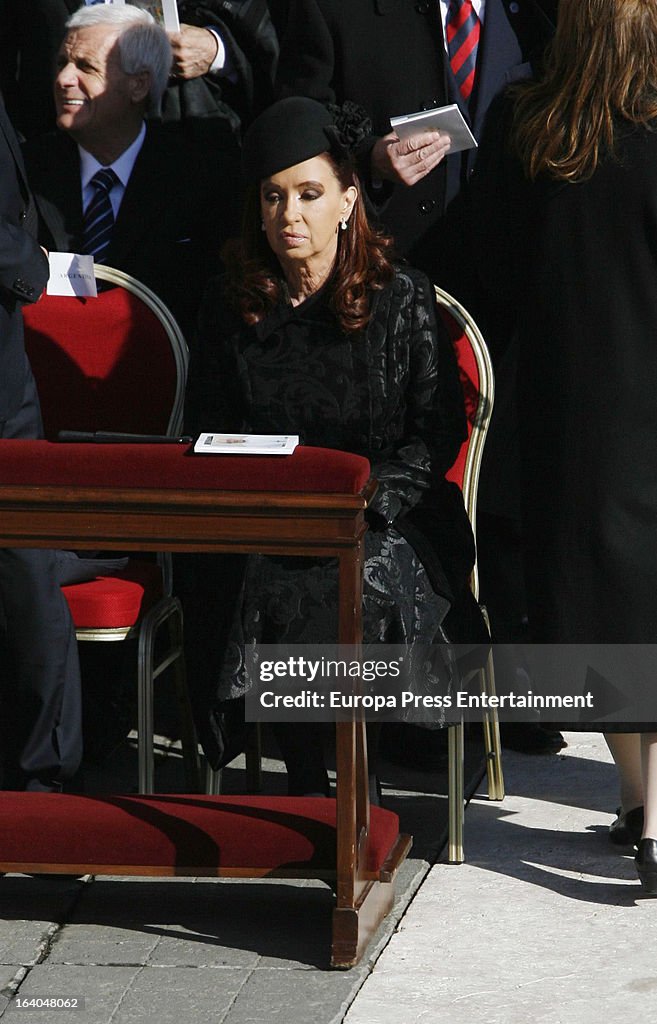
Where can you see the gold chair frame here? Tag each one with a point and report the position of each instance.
(491, 729)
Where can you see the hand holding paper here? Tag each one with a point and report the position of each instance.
(408, 160)
(194, 50)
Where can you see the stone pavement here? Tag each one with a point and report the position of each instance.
(544, 923)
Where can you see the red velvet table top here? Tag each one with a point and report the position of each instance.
(173, 466)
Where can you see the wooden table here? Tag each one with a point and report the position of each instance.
(156, 498)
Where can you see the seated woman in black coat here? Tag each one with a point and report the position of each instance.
(315, 332)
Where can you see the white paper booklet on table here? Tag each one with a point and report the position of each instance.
(246, 444)
(446, 119)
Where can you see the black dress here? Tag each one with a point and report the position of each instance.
(579, 264)
(392, 394)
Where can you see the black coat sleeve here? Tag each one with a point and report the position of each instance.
(248, 33)
(306, 64)
(434, 427)
(23, 266)
(496, 226)
(213, 398)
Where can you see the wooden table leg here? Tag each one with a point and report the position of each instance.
(361, 904)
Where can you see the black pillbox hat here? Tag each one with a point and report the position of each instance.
(285, 134)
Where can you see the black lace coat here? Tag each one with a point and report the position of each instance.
(390, 393)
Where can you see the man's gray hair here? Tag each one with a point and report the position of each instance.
(143, 45)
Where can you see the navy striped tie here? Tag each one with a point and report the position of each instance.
(463, 31)
(99, 216)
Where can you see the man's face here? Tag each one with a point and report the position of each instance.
(93, 96)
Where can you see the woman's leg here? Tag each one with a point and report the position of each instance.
(302, 749)
(646, 855)
(649, 767)
(625, 749)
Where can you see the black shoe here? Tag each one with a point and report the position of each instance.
(627, 828)
(528, 738)
(646, 865)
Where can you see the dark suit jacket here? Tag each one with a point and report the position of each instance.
(174, 217)
(388, 56)
(23, 268)
(30, 34)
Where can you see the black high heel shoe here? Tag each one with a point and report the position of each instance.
(646, 865)
(627, 828)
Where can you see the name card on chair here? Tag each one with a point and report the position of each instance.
(71, 274)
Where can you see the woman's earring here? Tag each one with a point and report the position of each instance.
(343, 223)
(262, 225)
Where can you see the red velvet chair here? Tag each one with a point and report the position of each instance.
(119, 362)
(478, 385)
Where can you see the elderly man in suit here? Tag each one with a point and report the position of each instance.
(164, 213)
(40, 718)
(224, 58)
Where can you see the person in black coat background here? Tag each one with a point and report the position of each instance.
(30, 34)
(389, 57)
(568, 249)
(39, 671)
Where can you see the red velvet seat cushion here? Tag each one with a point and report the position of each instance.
(113, 601)
(317, 470)
(179, 831)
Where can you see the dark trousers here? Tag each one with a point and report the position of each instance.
(39, 669)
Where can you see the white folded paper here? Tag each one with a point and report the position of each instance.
(246, 444)
(446, 119)
(71, 274)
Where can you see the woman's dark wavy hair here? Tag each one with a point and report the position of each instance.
(601, 68)
(363, 262)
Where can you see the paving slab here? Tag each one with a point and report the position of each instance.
(273, 997)
(7, 977)
(179, 994)
(100, 989)
(545, 921)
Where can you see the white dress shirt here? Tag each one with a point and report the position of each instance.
(122, 167)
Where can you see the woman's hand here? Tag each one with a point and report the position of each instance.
(408, 160)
